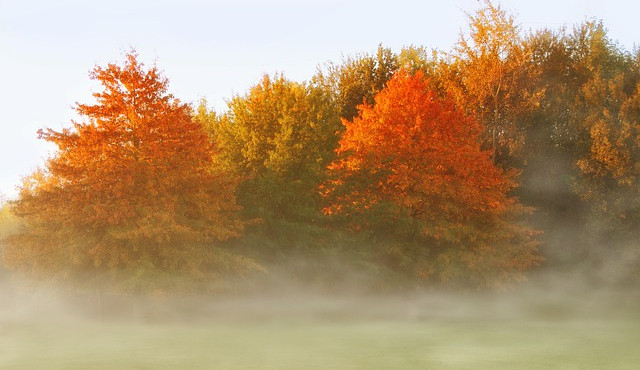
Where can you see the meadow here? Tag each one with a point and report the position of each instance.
(532, 330)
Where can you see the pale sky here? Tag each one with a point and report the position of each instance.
(213, 49)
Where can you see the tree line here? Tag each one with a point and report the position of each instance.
(463, 168)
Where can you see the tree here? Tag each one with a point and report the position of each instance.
(279, 137)
(8, 222)
(610, 171)
(412, 165)
(358, 79)
(134, 187)
(490, 76)
(579, 148)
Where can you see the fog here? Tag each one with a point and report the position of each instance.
(544, 297)
(552, 321)
(566, 315)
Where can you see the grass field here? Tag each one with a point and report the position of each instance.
(430, 332)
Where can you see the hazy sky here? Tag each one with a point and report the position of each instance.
(213, 49)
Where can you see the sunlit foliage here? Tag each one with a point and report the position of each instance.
(358, 79)
(491, 77)
(424, 166)
(279, 137)
(132, 188)
(412, 165)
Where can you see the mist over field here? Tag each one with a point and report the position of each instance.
(411, 209)
(549, 323)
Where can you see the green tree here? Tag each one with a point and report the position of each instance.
(358, 79)
(279, 136)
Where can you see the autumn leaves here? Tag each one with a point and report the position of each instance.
(132, 188)
(402, 166)
(141, 189)
(414, 162)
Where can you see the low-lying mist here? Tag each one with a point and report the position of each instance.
(551, 321)
(546, 296)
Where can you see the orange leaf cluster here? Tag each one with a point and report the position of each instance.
(133, 185)
(421, 154)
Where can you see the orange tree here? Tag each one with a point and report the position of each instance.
(610, 172)
(132, 189)
(491, 76)
(411, 172)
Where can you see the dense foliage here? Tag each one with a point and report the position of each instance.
(412, 166)
(133, 188)
(278, 138)
(418, 166)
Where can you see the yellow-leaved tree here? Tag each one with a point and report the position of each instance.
(491, 76)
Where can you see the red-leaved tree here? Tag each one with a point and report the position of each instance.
(412, 165)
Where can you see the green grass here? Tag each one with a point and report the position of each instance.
(362, 336)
